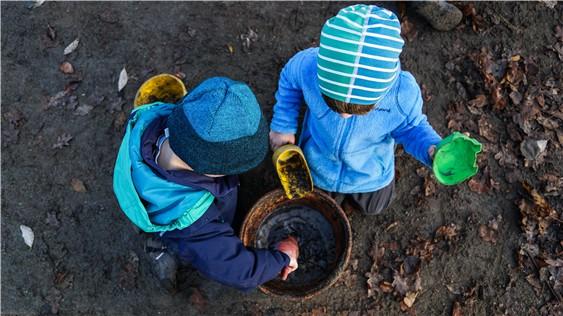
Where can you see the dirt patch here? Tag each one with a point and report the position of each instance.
(61, 130)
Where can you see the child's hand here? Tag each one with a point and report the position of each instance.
(431, 151)
(290, 247)
(278, 139)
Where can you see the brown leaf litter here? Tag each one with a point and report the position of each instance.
(540, 256)
(397, 272)
(489, 232)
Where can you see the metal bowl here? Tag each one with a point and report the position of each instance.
(276, 200)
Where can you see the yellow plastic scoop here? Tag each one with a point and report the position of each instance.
(293, 171)
(160, 88)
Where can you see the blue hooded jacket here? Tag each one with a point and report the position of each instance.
(356, 154)
(192, 212)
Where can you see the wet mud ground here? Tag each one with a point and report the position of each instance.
(88, 259)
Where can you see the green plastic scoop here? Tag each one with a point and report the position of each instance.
(456, 159)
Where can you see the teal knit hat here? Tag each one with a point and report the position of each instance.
(218, 128)
(359, 52)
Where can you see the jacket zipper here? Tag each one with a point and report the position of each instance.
(347, 123)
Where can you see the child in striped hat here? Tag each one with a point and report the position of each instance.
(360, 104)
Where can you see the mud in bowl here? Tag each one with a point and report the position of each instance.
(317, 245)
(323, 232)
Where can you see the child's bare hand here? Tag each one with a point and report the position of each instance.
(278, 139)
(432, 151)
(290, 247)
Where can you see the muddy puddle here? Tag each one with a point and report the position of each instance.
(316, 241)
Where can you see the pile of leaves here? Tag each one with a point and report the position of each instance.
(396, 271)
(539, 256)
(515, 109)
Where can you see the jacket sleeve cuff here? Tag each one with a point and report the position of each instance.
(285, 257)
(283, 129)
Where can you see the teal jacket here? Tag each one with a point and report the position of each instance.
(178, 206)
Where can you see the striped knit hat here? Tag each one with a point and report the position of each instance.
(359, 51)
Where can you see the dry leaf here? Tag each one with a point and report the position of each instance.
(499, 101)
(478, 186)
(52, 219)
(487, 234)
(554, 262)
(51, 33)
(547, 122)
(410, 298)
(408, 30)
(411, 265)
(72, 85)
(513, 76)
(71, 47)
(386, 287)
(62, 141)
(532, 149)
(372, 281)
(27, 235)
(116, 105)
(319, 311)
(392, 225)
(250, 37)
(53, 299)
(64, 280)
(505, 157)
(78, 185)
(376, 254)
(15, 118)
(421, 248)
(426, 95)
(475, 106)
(553, 182)
(479, 101)
(57, 100)
(516, 97)
(448, 232)
(120, 120)
(127, 278)
(122, 79)
(535, 283)
(36, 4)
(400, 284)
(429, 186)
(231, 49)
(486, 130)
(83, 110)
(477, 21)
(452, 289)
(198, 300)
(541, 206)
(456, 309)
(66, 68)
(559, 33)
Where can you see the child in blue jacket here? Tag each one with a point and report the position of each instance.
(360, 104)
(175, 176)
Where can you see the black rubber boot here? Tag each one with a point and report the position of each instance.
(441, 15)
(163, 263)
